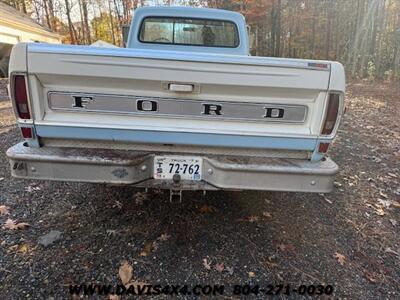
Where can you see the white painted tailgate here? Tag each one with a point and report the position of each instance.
(130, 73)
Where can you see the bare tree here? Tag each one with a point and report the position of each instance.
(71, 28)
(111, 23)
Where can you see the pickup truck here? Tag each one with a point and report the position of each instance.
(182, 107)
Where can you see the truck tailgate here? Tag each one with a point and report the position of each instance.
(92, 93)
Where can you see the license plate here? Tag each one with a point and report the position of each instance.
(188, 167)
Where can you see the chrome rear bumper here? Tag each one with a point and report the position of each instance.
(136, 168)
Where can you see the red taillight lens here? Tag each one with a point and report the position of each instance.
(21, 97)
(323, 147)
(26, 132)
(331, 114)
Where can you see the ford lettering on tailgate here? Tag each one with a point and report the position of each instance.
(172, 107)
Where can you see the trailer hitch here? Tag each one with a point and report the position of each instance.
(175, 194)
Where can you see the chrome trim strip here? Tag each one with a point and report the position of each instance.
(175, 108)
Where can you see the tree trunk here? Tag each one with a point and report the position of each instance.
(86, 21)
(52, 16)
(119, 20)
(314, 20)
(47, 14)
(83, 38)
(24, 7)
(278, 30)
(362, 34)
(396, 59)
(273, 29)
(329, 14)
(367, 40)
(379, 51)
(111, 23)
(71, 28)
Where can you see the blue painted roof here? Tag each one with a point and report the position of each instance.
(186, 10)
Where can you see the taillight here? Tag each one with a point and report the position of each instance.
(26, 132)
(331, 114)
(323, 147)
(21, 97)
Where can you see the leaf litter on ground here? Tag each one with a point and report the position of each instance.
(340, 258)
(125, 273)
(13, 225)
(220, 267)
(148, 247)
(164, 237)
(206, 264)
(205, 209)
(4, 210)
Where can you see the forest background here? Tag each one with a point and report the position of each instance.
(364, 35)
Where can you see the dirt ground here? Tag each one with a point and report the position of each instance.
(349, 239)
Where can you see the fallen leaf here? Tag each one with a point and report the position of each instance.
(372, 277)
(396, 204)
(326, 199)
(252, 274)
(229, 270)
(385, 203)
(114, 297)
(32, 188)
(204, 209)
(164, 237)
(219, 267)
(267, 214)
(269, 262)
(377, 208)
(13, 225)
(4, 210)
(148, 247)
(206, 264)
(22, 225)
(117, 204)
(23, 249)
(379, 211)
(392, 175)
(125, 272)
(340, 258)
(155, 246)
(252, 219)
(393, 222)
(383, 195)
(388, 250)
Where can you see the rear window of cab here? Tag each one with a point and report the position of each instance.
(189, 32)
